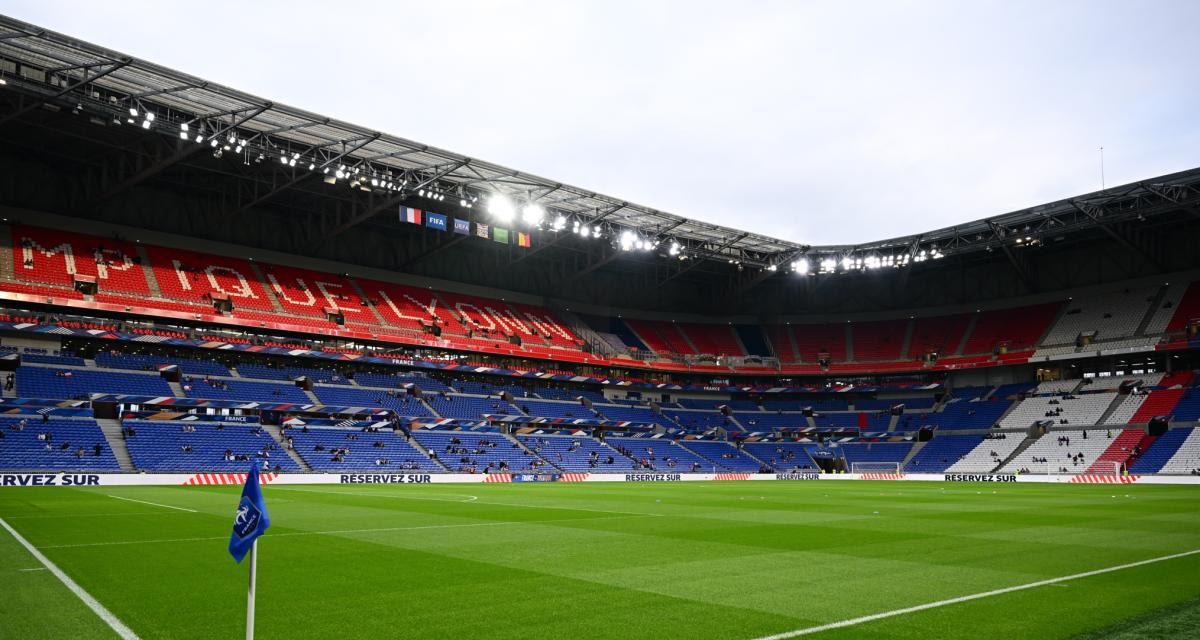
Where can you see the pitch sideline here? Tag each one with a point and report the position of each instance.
(967, 598)
(107, 616)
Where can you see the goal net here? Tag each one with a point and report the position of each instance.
(1104, 468)
(875, 467)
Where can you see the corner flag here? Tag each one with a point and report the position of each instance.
(251, 519)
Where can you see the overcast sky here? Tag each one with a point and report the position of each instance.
(822, 123)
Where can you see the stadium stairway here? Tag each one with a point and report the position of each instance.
(1143, 446)
(757, 459)
(1112, 406)
(1016, 452)
(313, 397)
(273, 431)
(580, 328)
(6, 252)
(358, 291)
(176, 390)
(917, 446)
(148, 270)
(258, 275)
(429, 407)
(521, 445)
(420, 447)
(966, 336)
(1119, 451)
(116, 443)
(233, 372)
(1152, 311)
(906, 343)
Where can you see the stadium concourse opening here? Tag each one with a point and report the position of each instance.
(196, 282)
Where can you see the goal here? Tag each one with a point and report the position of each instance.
(875, 467)
(1103, 468)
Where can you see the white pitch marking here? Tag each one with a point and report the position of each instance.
(107, 616)
(33, 569)
(473, 499)
(974, 596)
(155, 504)
(470, 498)
(335, 531)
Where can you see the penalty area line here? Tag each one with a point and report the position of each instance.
(154, 504)
(107, 616)
(974, 596)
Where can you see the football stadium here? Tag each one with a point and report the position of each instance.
(417, 393)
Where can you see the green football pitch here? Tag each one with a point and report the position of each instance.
(738, 560)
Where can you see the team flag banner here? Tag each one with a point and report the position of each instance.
(250, 521)
(500, 235)
(523, 240)
(410, 215)
(481, 230)
(435, 221)
(462, 226)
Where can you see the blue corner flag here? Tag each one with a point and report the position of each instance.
(251, 520)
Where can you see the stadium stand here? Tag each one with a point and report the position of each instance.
(1108, 316)
(1187, 310)
(1082, 410)
(577, 453)
(261, 372)
(723, 454)
(782, 456)
(641, 415)
(660, 337)
(195, 279)
(554, 409)
(384, 450)
(941, 334)
(699, 421)
(662, 455)
(164, 445)
(1187, 406)
(402, 404)
(113, 360)
(1067, 451)
(1124, 412)
(248, 390)
(1177, 451)
(41, 358)
(962, 414)
(940, 453)
(44, 382)
(390, 381)
(468, 452)
(1019, 328)
(812, 340)
(714, 339)
(468, 407)
(29, 444)
(988, 454)
(879, 340)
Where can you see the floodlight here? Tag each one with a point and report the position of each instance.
(533, 213)
(501, 207)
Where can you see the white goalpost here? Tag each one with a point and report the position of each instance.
(1103, 468)
(875, 467)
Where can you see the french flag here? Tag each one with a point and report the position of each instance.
(410, 215)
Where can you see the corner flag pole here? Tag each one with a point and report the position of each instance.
(250, 593)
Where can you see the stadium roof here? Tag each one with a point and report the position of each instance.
(67, 72)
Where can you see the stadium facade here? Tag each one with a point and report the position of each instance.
(192, 276)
